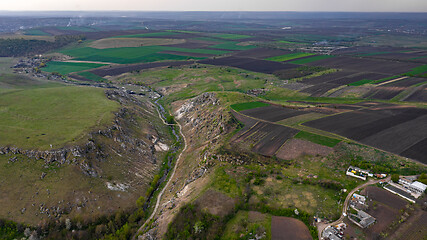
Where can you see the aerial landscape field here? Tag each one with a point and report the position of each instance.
(213, 125)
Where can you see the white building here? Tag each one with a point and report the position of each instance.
(417, 187)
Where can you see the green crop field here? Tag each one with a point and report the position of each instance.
(143, 35)
(289, 42)
(209, 39)
(36, 32)
(232, 46)
(248, 105)
(231, 36)
(36, 118)
(91, 76)
(418, 70)
(65, 68)
(373, 54)
(322, 140)
(77, 29)
(312, 59)
(289, 56)
(134, 54)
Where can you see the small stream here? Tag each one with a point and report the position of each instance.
(174, 148)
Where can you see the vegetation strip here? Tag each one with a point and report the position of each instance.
(322, 140)
(249, 105)
(312, 59)
(289, 56)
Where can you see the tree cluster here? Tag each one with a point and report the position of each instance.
(23, 47)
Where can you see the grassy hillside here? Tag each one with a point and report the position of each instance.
(65, 68)
(39, 117)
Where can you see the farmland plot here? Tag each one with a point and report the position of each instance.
(401, 130)
(261, 66)
(272, 113)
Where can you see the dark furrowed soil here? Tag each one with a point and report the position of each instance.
(320, 89)
(392, 129)
(418, 96)
(384, 93)
(249, 64)
(261, 53)
(285, 228)
(366, 65)
(272, 113)
(274, 140)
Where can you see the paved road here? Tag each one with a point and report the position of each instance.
(159, 197)
(321, 227)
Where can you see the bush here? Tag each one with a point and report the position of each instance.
(395, 178)
(170, 119)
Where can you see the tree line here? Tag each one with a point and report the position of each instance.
(23, 47)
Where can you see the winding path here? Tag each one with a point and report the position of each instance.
(159, 197)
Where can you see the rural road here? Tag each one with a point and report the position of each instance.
(321, 227)
(159, 197)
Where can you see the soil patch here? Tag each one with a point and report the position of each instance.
(297, 147)
(286, 228)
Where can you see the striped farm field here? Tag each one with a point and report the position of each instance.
(289, 56)
(311, 59)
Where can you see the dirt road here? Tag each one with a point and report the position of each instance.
(322, 226)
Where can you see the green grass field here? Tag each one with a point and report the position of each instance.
(231, 36)
(65, 68)
(36, 118)
(232, 46)
(289, 42)
(91, 76)
(189, 81)
(248, 105)
(77, 29)
(246, 224)
(322, 140)
(289, 56)
(13, 82)
(143, 35)
(134, 55)
(36, 32)
(418, 70)
(311, 59)
(372, 54)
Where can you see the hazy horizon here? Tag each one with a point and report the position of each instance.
(416, 6)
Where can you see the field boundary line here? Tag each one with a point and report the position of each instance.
(393, 80)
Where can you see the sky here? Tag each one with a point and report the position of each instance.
(218, 5)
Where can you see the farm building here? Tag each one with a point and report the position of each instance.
(357, 173)
(361, 199)
(406, 181)
(362, 219)
(331, 234)
(398, 190)
(417, 187)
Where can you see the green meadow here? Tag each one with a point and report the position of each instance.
(128, 55)
(40, 117)
(65, 68)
